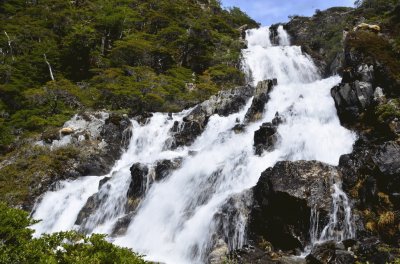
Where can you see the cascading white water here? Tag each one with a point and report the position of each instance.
(176, 221)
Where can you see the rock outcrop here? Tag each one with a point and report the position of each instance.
(330, 252)
(261, 97)
(93, 141)
(284, 197)
(352, 99)
(265, 138)
(224, 104)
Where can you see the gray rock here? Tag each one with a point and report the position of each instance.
(224, 103)
(352, 99)
(330, 252)
(261, 97)
(387, 158)
(265, 138)
(284, 196)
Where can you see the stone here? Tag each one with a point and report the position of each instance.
(139, 174)
(352, 99)
(283, 198)
(66, 131)
(330, 252)
(261, 97)
(265, 138)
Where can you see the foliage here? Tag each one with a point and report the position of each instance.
(389, 111)
(123, 55)
(18, 246)
(377, 48)
(31, 166)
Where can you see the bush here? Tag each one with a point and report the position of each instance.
(18, 246)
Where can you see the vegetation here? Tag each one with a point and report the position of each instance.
(389, 111)
(30, 168)
(18, 246)
(131, 55)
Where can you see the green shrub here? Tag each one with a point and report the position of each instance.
(18, 246)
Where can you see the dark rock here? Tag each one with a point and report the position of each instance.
(372, 250)
(284, 196)
(139, 174)
(277, 120)
(165, 167)
(185, 133)
(103, 181)
(261, 97)
(330, 253)
(239, 128)
(122, 224)
(116, 133)
(387, 158)
(265, 138)
(143, 118)
(352, 99)
(224, 103)
(143, 176)
(92, 204)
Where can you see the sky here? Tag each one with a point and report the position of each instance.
(268, 12)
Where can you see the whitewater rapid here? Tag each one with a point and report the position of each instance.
(176, 222)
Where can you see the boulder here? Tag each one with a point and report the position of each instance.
(92, 204)
(122, 224)
(265, 138)
(138, 185)
(352, 99)
(261, 97)
(144, 176)
(372, 250)
(283, 199)
(66, 130)
(164, 167)
(330, 252)
(387, 160)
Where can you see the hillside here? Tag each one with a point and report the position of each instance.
(126, 56)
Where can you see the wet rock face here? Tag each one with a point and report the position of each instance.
(91, 206)
(284, 196)
(144, 176)
(352, 99)
(330, 253)
(261, 97)
(371, 169)
(265, 138)
(224, 104)
(137, 186)
(387, 158)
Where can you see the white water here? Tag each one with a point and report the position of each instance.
(176, 222)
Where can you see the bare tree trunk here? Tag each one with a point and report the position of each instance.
(122, 28)
(9, 44)
(103, 43)
(48, 65)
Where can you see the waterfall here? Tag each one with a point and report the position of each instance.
(177, 220)
(340, 225)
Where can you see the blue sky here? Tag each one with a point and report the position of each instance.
(268, 12)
